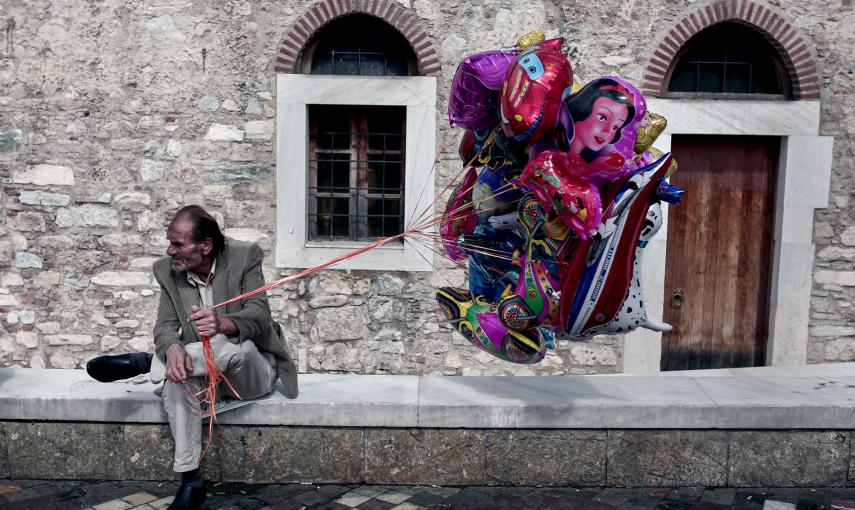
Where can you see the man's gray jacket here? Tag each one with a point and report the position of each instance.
(238, 271)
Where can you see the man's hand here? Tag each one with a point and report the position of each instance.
(178, 364)
(209, 324)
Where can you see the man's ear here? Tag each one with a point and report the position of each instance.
(207, 246)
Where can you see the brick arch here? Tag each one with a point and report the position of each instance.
(390, 11)
(794, 49)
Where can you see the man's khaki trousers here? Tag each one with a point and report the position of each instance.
(251, 374)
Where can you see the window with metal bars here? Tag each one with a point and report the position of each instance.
(356, 172)
(356, 153)
(729, 61)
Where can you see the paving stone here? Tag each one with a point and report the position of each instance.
(412, 456)
(332, 505)
(467, 497)
(560, 498)
(615, 496)
(140, 498)
(442, 491)
(65, 450)
(673, 504)
(723, 496)
(851, 479)
(148, 452)
(313, 498)
(276, 493)
(644, 498)
(686, 494)
(778, 505)
(666, 458)
(748, 500)
(376, 504)
(546, 457)
(303, 454)
(335, 490)
(397, 496)
(408, 506)
(426, 499)
(787, 459)
(116, 504)
(162, 503)
(41, 503)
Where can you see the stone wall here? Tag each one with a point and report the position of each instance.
(114, 114)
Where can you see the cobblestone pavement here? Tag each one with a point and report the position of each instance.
(77, 495)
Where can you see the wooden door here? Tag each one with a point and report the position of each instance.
(719, 254)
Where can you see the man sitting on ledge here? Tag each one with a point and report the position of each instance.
(204, 268)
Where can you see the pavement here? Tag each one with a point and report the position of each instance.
(122, 495)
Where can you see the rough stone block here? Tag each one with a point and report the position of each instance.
(30, 222)
(42, 198)
(45, 175)
(148, 452)
(224, 133)
(260, 129)
(65, 451)
(424, 456)
(546, 457)
(87, 215)
(787, 459)
(300, 455)
(225, 460)
(25, 259)
(851, 460)
(667, 458)
(121, 279)
(4, 452)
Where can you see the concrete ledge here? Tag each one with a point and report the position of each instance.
(813, 397)
(758, 427)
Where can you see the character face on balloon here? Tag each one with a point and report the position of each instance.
(531, 94)
(602, 127)
(599, 112)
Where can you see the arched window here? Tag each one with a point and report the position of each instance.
(359, 45)
(729, 61)
(356, 152)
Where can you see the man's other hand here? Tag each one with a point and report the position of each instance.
(178, 364)
(209, 324)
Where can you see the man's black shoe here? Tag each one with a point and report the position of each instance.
(189, 497)
(120, 366)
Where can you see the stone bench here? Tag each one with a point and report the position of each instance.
(742, 427)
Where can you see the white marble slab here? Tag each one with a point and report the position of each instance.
(813, 397)
(716, 117)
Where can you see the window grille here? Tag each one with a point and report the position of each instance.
(726, 61)
(360, 45)
(356, 172)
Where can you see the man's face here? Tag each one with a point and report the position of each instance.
(187, 253)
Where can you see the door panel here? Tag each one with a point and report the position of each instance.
(719, 252)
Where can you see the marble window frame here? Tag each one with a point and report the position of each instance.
(803, 182)
(295, 92)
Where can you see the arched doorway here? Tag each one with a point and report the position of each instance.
(719, 252)
(715, 123)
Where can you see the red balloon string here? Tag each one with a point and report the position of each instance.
(423, 232)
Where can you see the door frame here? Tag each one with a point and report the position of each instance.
(803, 182)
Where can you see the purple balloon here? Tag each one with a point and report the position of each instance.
(472, 102)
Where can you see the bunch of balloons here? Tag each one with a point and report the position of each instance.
(560, 194)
